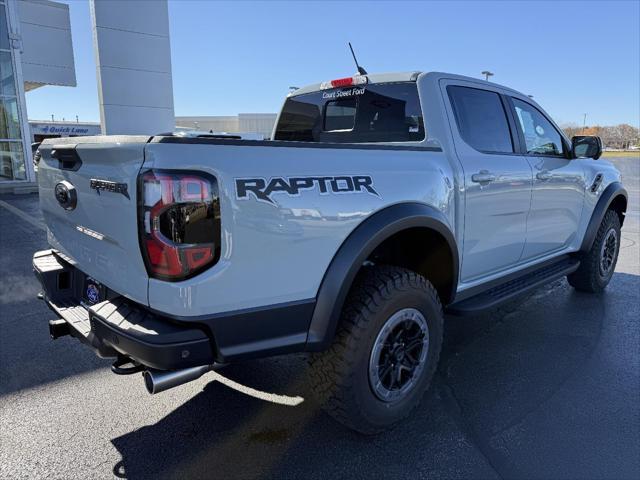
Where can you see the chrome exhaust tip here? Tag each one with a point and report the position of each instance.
(156, 381)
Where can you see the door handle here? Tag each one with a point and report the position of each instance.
(483, 177)
(544, 175)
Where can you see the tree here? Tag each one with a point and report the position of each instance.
(618, 136)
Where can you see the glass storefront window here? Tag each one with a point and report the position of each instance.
(9, 120)
(4, 29)
(12, 155)
(7, 85)
(12, 161)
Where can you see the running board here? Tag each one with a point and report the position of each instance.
(512, 288)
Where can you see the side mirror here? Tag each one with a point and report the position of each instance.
(589, 147)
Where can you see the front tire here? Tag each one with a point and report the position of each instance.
(385, 352)
(598, 264)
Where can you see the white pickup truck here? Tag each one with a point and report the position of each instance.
(381, 202)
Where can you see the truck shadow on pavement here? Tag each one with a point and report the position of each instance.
(509, 392)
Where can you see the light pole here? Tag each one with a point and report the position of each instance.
(584, 123)
(487, 74)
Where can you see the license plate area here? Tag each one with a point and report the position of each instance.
(93, 291)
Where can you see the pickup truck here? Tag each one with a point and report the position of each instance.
(382, 202)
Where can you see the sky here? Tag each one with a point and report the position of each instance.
(574, 57)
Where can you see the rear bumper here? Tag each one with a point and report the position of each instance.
(118, 327)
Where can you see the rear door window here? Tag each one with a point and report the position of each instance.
(386, 112)
(481, 119)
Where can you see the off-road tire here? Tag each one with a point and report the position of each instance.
(588, 277)
(340, 375)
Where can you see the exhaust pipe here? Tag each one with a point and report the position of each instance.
(157, 381)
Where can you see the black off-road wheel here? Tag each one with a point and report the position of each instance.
(385, 352)
(598, 264)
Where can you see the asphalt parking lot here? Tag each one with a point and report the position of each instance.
(546, 387)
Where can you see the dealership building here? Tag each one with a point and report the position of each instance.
(256, 123)
(35, 50)
(40, 130)
(133, 69)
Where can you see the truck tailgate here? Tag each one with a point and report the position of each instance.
(99, 230)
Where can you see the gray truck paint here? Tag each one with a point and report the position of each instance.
(275, 253)
(101, 233)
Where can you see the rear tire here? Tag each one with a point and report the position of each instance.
(385, 352)
(598, 264)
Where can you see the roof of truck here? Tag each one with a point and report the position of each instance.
(372, 78)
(411, 76)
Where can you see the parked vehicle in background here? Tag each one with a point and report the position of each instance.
(383, 201)
(35, 153)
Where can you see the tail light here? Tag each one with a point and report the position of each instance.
(179, 223)
(344, 82)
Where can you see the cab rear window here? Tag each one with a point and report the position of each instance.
(340, 115)
(387, 112)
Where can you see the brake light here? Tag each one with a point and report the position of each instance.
(179, 223)
(344, 82)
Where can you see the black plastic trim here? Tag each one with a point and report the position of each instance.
(47, 267)
(483, 287)
(516, 134)
(68, 158)
(117, 326)
(356, 249)
(289, 143)
(257, 332)
(612, 191)
(514, 286)
(111, 327)
(153, 352)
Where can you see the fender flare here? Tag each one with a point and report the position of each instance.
(613, 191)
(357, 247)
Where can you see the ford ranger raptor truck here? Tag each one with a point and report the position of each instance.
(381, 202)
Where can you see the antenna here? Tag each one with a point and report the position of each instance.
(487, 74)
(361, 70)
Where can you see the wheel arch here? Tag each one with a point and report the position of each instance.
(383, 226)
(614, 197)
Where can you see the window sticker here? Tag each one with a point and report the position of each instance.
(343, 93)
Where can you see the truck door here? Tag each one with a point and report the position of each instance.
(497, 178)
(558, 183)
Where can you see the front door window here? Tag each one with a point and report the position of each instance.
(540, 136)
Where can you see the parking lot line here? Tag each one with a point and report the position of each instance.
(23, 215)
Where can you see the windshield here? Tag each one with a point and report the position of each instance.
(386, 112)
